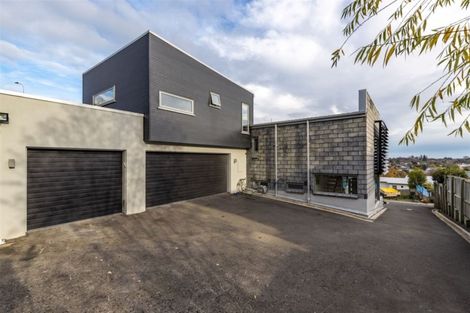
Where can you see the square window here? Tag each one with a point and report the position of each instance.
(215, 100)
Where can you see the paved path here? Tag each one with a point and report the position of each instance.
(239, 254)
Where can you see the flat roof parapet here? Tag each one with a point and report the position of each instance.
(332, 117)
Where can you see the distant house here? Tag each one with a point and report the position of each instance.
(399, 183)
(466, 167)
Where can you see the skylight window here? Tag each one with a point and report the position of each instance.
(215, 100)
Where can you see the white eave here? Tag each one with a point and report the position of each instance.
(81, 105)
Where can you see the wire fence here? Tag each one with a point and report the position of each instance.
(453, 199)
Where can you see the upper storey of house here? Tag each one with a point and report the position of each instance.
(184, 101)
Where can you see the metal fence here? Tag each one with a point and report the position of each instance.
(453, 199)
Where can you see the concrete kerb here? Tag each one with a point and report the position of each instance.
(320, 207)
(409, 202)
(455, 227)
(379, 213)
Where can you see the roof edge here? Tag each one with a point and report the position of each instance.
(332, 117)
(149, 32)
(58, 101)
(197, 60)
(116, 52)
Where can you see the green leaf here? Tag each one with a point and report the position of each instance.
(389, 54)
(404, 34)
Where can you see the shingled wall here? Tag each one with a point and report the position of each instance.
(336, 147)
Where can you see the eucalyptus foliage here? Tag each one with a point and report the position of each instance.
(406, 32)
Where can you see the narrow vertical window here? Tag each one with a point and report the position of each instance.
(245, 118)
(255, 144)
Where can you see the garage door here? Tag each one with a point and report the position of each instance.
(180, 176)
(67, 185)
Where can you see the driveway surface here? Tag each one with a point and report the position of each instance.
(239, 254)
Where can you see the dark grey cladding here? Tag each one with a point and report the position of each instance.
(149, 65)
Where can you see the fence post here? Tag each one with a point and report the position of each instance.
(466, 218)
(275, 159)
(440, 196)
(462, 202)
(452, 198)
(308, 161)
(437, 196)
(446, 198)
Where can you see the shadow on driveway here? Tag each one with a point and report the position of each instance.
(239, 254)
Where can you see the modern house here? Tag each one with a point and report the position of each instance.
(159, 126)
(184, 101)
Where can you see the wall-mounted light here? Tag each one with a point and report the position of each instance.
(20, 84)
(4, 118)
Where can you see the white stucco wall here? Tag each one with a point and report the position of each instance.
(44, 123)
(372, 115)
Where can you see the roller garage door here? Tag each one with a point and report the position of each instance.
(180, 176)
(69, 185)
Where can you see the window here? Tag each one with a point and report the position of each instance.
(245, 118)
(215, 100)
(255, 144)
(336, 184)
(105, 97)
(176, 103)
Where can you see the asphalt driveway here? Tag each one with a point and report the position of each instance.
(239, 254)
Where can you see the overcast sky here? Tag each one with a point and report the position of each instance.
(278, 49)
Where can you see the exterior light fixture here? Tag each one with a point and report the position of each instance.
(4, 118)
(22, 86)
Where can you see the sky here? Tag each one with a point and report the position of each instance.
(280, 50)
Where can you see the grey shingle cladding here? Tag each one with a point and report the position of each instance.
(337, 146)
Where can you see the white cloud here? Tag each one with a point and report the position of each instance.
(272, 105)
(282, 15)
(286, 52)
(10, 53)
(280, 50)
(301, 67)
(300, 16)
(335, 110)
